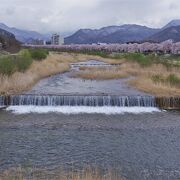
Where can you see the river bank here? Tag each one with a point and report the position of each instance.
(155, 79)
(19, 82)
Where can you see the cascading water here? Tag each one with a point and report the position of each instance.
(65, 100)
(2, 101)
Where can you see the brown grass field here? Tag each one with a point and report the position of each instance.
(101, 73)
(59, 63)
(142, 77)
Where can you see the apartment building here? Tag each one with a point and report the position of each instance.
(56, 39)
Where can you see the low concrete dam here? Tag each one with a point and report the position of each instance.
(94, 100)
(73, 100)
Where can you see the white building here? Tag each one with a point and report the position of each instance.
(57, 39)
(1, 46)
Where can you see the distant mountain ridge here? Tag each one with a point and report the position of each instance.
(126, 33)
(172, 33)
(8, 41)
(23, 35)
(111, 34)
(175, 22)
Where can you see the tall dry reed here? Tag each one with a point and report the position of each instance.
(59, 174)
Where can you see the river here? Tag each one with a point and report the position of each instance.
(139, 142)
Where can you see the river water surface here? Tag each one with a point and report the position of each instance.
(139, 146)
(65, 84)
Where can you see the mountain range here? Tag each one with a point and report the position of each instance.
(111, 34)
(126, 33)
(172, 33)
(24, 35)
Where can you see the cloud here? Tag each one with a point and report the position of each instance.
(70, 15)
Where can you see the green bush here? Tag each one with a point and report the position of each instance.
(22, 63)
(23, 60)
(173, 80)
(7, 65)
(102, 54)
(157, 78)
(38, 54)
(25, 53)
(10, 64)
(140, 58)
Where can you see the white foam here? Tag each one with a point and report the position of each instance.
(80, 110)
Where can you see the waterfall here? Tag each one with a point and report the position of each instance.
(2, 101)
(70, 100)
(94, 100)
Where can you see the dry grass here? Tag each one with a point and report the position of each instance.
(55, 63)
(86, 174)
(19, 82)
(100, 73)
(143, 79)
(59, 63)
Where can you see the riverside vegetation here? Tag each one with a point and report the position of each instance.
(20, 72)
(155, 74)
(60, 174)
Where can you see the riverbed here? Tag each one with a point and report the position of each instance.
(138, 142)
(66, 84)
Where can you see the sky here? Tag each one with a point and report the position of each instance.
(66, 16)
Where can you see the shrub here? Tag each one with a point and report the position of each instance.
(23, 60)
(38, 54)
(157, 78)
(7, 65)
(173, 80)
(10, 64)
(139, 58)
(25, 53)
(102, 54)
(22, 63)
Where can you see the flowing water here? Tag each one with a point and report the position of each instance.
(65, 122)
(65, 84)
(143, 146)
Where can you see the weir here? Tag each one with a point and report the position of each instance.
(2, 101)
(80, 100)
(91, 100)
(168, 102)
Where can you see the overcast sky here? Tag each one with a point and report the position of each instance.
(70, 15)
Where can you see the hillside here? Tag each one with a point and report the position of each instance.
(168, 33)
(8, 41)
(23, 35)
(175, 22)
